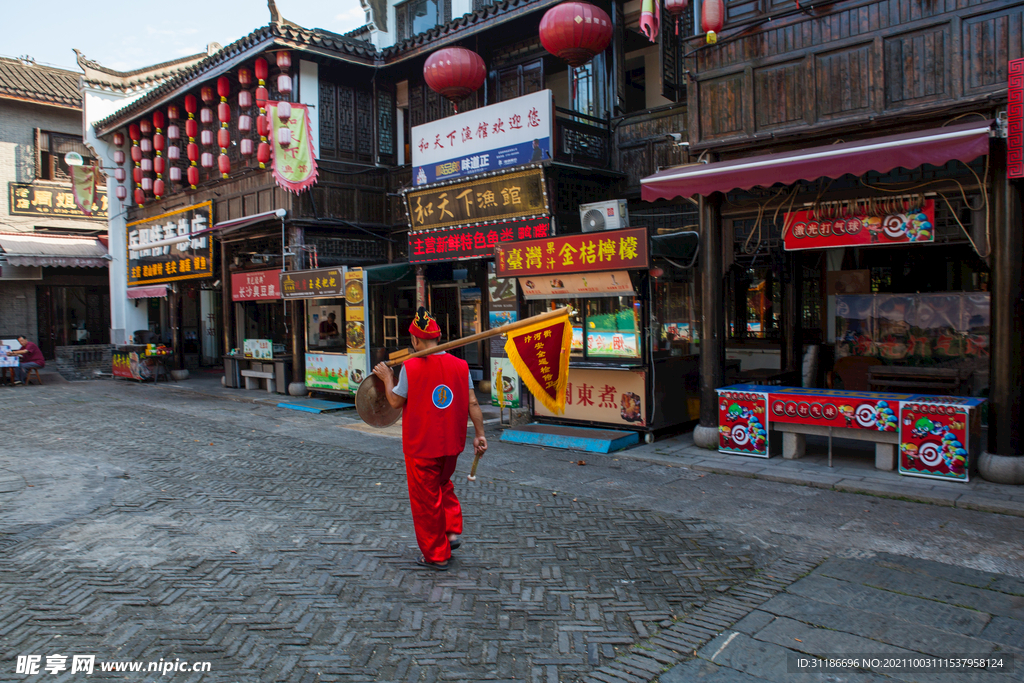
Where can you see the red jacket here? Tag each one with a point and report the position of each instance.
(437, 407)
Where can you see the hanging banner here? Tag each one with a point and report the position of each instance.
(84, 180)
(915, 225)
(509, 133)
(294, 164)
(495, 198)
(474, 241)
(580, 253)
(540, 355)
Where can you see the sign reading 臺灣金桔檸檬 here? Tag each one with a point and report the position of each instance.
(28, 199)
(579, 253)
(501, 197)
(166, 248)
(491, 138)
(474, 241)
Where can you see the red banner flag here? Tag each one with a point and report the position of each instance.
(540, 354)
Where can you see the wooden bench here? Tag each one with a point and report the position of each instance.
(794, 441)
(253, 377)
(898, 378)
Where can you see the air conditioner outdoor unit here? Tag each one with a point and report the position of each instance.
(610, 215)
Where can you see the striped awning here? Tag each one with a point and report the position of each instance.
(32, 249)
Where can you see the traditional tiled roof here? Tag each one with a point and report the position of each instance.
(290, 35)
(31, 82)
(96, 74)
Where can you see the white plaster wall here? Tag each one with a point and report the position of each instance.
(309, 95)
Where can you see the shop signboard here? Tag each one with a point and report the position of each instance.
(256, 285)
(491, 138)
(49, 200)
(609, 283)
(913, 224)
(327, 371)
(581, 253)
(509, 382)
(473, 241)
(608, 396)
(171, 247)
(835, 408)
(312, 284)
(355, 326)
(504, 196)
(1015, 119)
(260, 349)
(743, 423)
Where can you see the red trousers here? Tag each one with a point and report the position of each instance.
(436, 511)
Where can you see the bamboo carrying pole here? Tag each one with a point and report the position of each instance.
(486, 334)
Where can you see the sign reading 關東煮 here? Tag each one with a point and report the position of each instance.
(166, 248)
(807, 231)
(491, 138)
(501, 197)
(309, 284)
(581, 253)
(474, 241)
(47, 200)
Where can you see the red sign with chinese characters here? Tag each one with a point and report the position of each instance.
(1015, 120)
(913, 225)
(743, 423)
(850, 409)
(582, 253)
(256, 285)
(474, 241)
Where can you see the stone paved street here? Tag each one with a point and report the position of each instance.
(143, 523)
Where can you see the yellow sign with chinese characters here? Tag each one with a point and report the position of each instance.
(52, 200)
(501, 197)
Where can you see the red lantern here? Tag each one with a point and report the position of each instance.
(224, 113)
(575, 32)
(136, 154)
(244, 123)
(158, 143)
(158, 120)
(223, 138)
(263, 154)
(173, 153)
(261, 97)
(119, 175)
(134, 133)
(192, 152)
(245, 147)
(159, 164)
(675, 8)
(262, 126)
(173, 113)
(137, 175)
(191, 105)
(118, 139)
(173, 132)
(244, 99)
(175, 174)
(193, 176)
(122, 192)
(119, 158)
(158, 188)
(244, 77)
(206, 160)
(284, 84)
(140, 196)
(206, 93)
(191, 128)
(712, 18)
(223, 87)
(224, 165)
(284, 59)
(261, 69)
(145, 126)
(454, 73)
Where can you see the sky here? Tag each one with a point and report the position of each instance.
(130, 34)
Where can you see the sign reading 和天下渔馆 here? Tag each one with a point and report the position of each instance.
(491, 138)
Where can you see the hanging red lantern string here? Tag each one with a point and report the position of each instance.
(245, 146)
(191, 129)
(712, 19)
(223, 135)
(140, 196)
(158, 145)
(262, 124)
(575, 32)
(454, 73)
(675, 9)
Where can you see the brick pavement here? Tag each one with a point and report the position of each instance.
(144, 533)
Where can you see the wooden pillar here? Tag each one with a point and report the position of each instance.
(712, 306)
(792, 348)
(296, 239)
(421, 286)
(1002, 463)
(174, 320)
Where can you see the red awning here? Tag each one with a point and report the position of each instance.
(151, 292)
(963, 142)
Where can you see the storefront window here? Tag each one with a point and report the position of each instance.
(602, 327)
(325, 325)
(676, 319)
(262, 321)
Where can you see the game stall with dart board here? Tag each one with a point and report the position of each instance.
(937, 437)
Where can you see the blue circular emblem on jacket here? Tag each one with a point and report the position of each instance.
(442, 396)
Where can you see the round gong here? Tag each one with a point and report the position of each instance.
(372, 403)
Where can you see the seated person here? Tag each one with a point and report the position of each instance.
(31, 357)
(329, 328)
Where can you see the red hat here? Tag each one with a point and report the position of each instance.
(424, 326)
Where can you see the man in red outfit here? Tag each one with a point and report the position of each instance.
(435, 393)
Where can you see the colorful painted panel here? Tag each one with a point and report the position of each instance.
(935, 439)
(851, 412)
(743, 423)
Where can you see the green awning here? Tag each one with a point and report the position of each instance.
(389, 272)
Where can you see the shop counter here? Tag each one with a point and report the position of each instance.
(937, 437)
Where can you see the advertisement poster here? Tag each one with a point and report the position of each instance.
(355, 326)
(130, 366)
(509, 381)
(490, 138)
(743, 423)
(327, 371)
(503, 308)
(935, 437)
(907, 224)
(262, 349)
(609, 396)
(589, 285)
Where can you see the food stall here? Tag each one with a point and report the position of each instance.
(261, 330)
(334, 311)
(634, 361)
